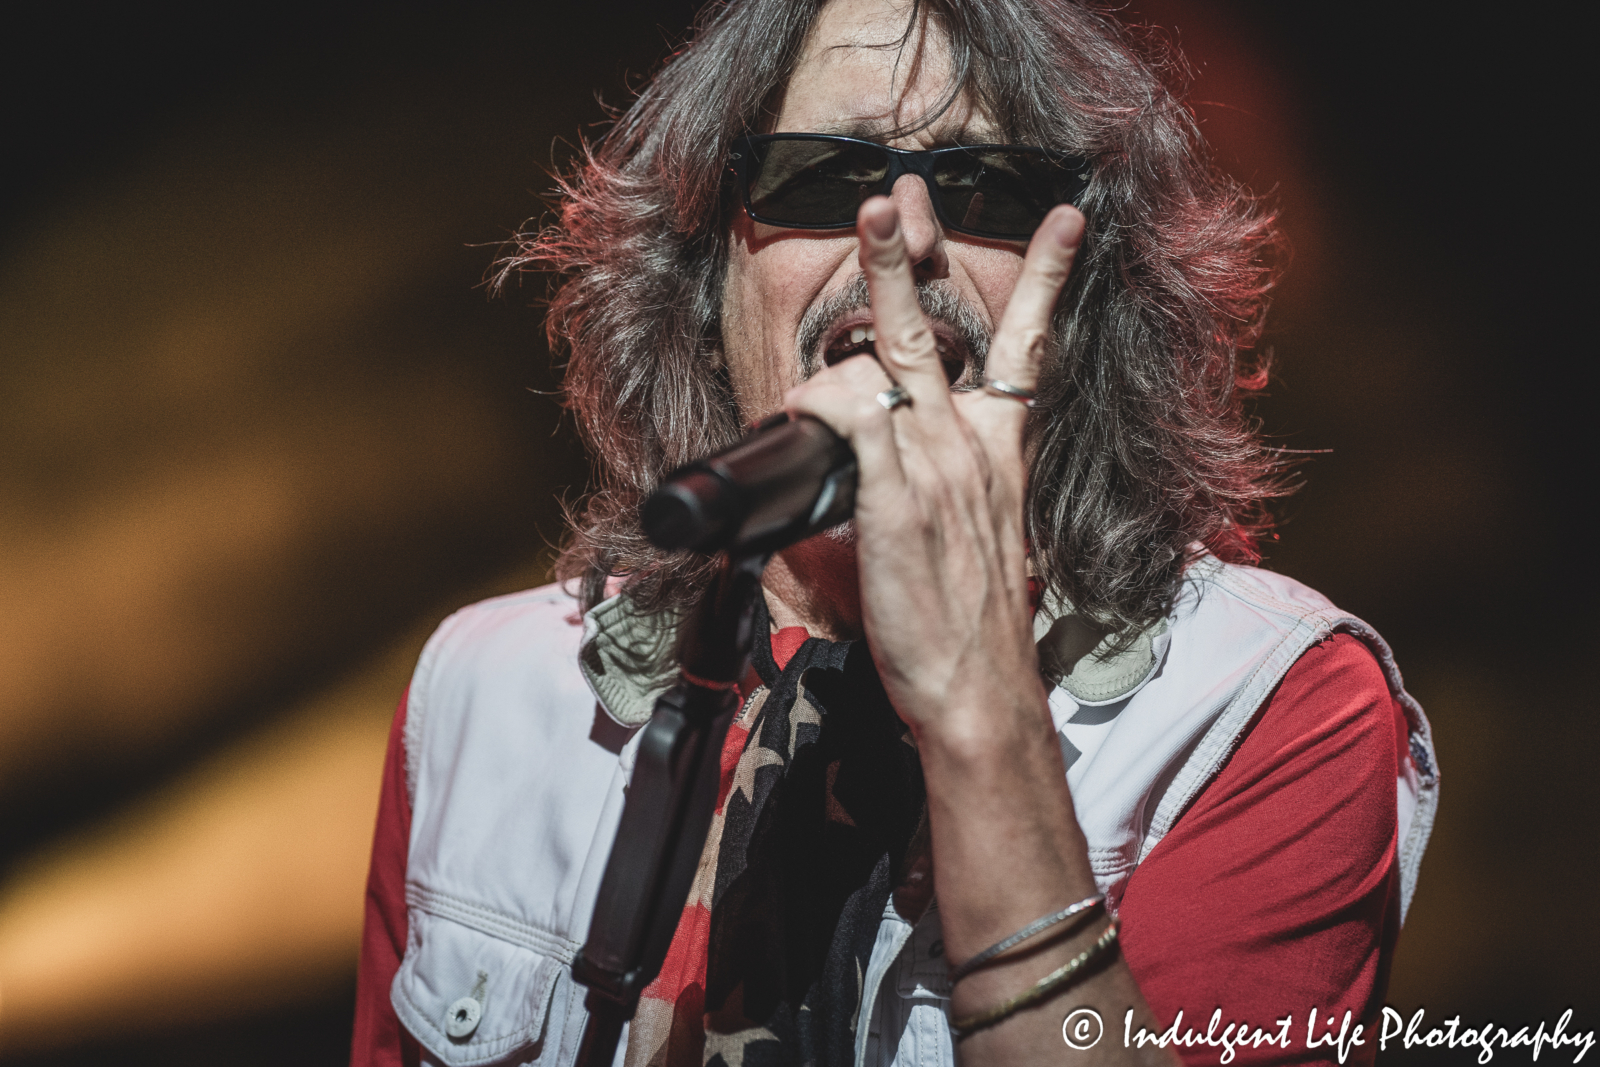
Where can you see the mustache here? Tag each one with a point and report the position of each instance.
(939, 300)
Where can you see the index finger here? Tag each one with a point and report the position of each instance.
(1018, 347)
(905, 345)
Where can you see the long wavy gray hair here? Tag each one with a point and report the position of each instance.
(1139, 447)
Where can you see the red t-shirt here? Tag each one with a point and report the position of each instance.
(1277, 892)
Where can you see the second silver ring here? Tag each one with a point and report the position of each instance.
(995, 387)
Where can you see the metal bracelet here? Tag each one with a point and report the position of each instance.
(1051, 983)
(1036, 927)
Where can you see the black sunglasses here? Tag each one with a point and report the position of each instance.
(814, 181)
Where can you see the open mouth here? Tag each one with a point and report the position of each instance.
(861, 339)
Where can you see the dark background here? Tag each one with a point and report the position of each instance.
(262, 427)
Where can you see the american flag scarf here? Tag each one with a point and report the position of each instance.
(820, 818)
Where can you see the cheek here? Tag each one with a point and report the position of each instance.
(743, 330)
(769, 286)
(993, 274)
(749, 336)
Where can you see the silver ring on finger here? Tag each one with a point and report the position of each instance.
(894, 397)
(995, 387)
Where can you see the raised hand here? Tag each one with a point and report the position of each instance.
(939, 505)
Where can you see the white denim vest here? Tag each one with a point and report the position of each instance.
(516, 774)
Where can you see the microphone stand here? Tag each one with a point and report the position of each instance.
(668, 810)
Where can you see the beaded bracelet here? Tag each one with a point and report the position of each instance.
(1035, 927)
(1053, 982)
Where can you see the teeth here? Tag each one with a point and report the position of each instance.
(861, 334)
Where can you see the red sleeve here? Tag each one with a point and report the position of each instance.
(379, 1040)
(1278, 890)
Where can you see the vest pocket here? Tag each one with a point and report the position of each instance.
(477, 988)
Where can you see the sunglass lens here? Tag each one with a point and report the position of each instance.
(814, 183)
(1005, 193)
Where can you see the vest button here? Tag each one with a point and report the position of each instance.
(462, 1018)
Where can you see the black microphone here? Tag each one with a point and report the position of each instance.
(789, 478)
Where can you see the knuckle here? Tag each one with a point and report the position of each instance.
(1055, 267)
(1027, 346)
(886, 257)
(914, 344)
(1031, 345)
(866, 410)
(803, 395)
(1051, 276)
(861, 370)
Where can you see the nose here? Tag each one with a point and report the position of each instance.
(924, 236)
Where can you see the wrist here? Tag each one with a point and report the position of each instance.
(987, 732)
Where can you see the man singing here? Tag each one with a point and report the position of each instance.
(1031, 738)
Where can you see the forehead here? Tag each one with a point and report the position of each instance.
(862, 74)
